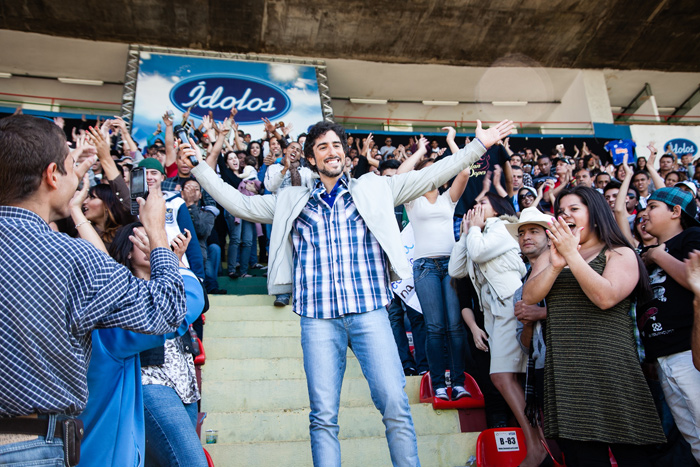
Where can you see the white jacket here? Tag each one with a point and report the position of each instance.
(495, 252)
(375, 198)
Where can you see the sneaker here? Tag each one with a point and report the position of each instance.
(234, 275)
(410, 372)
(281, 301)
(441, 393)
(257, 266)
(459, 392)
(246, 275)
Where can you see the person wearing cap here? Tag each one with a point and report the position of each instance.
(529, 197)
(177, 216)
(665, 322)
(687, 185)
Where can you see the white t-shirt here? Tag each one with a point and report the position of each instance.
(432, 225)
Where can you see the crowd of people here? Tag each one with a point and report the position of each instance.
(565, 284)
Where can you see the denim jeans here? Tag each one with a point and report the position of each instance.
(171, 436)
(397, 309)
(211, 267)
(325, 343)
(43, 451)
(443, 318)
(247, 236)
(234, 241)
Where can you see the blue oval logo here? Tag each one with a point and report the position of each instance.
(681, 147)
(253, 98)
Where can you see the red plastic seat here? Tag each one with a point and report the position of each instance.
(202, 357)
(500, 447)
(210, 462)
(427, 396)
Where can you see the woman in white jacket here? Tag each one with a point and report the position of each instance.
(491, 257)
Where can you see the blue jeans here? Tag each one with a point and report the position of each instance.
(234, 241)
(396, 318)
(247, 235)
(211, 267)
(43, 451)
(324, 343)
(171, 436)
(443, 318)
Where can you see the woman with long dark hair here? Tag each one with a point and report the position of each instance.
(106, 212)
(595, 393)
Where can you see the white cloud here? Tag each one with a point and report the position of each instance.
(303, 98)
(153, 97)
(283, 73)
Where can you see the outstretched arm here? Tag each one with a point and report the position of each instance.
(620, 209)
(655, 177)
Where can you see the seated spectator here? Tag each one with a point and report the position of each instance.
(672, 178)
(641, 182)
(601, 181)
(387, 149)
(583, 177)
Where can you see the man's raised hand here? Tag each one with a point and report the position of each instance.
(489, 137)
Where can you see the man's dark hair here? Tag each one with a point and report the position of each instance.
(601, 173)
(641, 172)
(389, 164)
(28, 145)
(318, 130)
(544, 156)
(611, 186)
(666, 155)
(602, 223)
(516, 167)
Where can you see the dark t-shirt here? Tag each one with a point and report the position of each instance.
(665, 323)
(495, 155)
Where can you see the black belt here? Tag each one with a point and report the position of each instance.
(70, 430)
(29, 426)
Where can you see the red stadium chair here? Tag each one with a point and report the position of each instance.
(476, 401)
(500, 447)
(210, 462)
(202, 357)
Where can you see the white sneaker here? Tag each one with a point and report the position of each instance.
(441, 393)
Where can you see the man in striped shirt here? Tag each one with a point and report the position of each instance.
(55, 290)
(336, 246)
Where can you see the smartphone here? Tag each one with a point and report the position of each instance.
(139, 188)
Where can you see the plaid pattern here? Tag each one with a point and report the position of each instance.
(675, 197)
(54, 291)
(339, 266)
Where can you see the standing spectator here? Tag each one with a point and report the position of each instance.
(362, 235)
(387, 149)
(666, 321)
(64, 301)
(593, 272)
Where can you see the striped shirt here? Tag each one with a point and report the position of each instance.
(339, 266)
(54, 291)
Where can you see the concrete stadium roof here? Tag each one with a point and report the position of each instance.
(620, 34)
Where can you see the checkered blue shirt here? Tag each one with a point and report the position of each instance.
(339, 266)
(54, 291)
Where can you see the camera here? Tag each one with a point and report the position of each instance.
(139, 188)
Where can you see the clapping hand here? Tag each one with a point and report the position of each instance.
(692, 266)
(565, 243)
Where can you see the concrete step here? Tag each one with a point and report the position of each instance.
(293, 425)
(254, 329)
(444, 450)
(221, 313)
(250, 347)
(284, 394)
(243, 300)
(251, 369)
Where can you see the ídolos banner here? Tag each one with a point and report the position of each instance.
(277, 91)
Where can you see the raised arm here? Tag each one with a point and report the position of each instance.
(410, 163)
(170, 155)
(620, 209)
(508, 171)
(82, 224)
(655, 177)
(497, 175)
(121, 124)
(451, 133)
